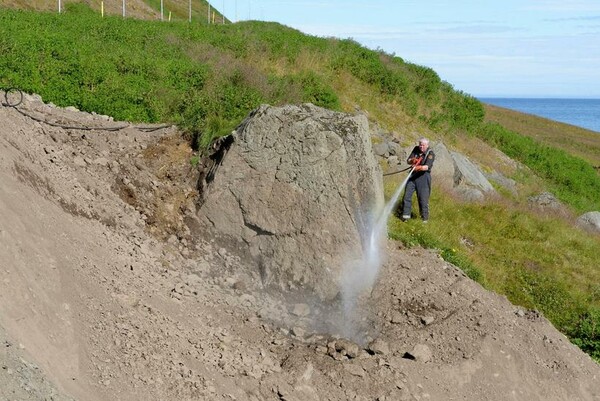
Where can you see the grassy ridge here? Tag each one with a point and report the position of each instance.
(573, 140)
(207, 78)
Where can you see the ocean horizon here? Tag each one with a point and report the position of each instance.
(584, 112)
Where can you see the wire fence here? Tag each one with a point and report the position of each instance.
(167, 10)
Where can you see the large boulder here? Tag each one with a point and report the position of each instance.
(293, 189)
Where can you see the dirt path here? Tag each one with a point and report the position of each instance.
(107, 293)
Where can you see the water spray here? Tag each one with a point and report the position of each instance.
(361, 274)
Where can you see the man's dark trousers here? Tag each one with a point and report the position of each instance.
(421, 182)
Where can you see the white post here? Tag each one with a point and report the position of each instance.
(162, 10)
(59, 7)
(190, 11)
(123, 8)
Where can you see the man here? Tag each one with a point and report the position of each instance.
(422, 159)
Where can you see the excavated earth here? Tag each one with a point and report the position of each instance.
(107, 292)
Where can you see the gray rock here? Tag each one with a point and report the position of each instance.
(467, 174)
(507, 183)
(589, 221)
(545, 201)
(381, 149)
(305, 180)
(395, 149)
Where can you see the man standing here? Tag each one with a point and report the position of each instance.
(422, 159)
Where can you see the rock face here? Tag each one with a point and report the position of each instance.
(294, 188)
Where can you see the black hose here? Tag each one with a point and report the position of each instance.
(399, 171)
(14, 103)
(10, 102)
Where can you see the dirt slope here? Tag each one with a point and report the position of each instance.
(107, 293)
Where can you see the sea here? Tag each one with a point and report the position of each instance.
(584, 113)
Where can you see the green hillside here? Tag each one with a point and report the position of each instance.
(206, 78)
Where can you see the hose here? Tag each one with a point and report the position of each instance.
(12, 102)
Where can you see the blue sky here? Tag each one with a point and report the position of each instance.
(510, 48)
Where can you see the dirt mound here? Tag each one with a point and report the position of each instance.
(107, 293)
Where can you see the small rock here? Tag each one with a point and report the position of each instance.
(427, 320)
(355, 370)
(379, 347)
(298, 331)
(397, 318)
(239, 285)
(348, 348)
(420, 353)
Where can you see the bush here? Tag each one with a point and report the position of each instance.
(586, 334)
(315, 91)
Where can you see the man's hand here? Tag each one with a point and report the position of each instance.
(415, 161)
(421, 168)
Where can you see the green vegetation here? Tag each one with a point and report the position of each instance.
(573, 180)
(207, 78)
